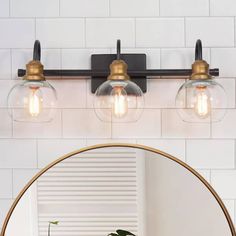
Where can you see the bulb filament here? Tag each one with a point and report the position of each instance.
(34, 103)
(120, 102)
(202, 104)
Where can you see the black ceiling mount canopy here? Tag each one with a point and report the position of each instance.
(37, 51)
(136, 68)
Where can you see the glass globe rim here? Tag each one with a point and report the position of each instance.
(135, 88)
(42, 84)
(207, 82)
(194, 83)
(202, 122)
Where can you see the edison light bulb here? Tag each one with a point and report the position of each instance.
(35, 102)
(120, 102)
(202, 105)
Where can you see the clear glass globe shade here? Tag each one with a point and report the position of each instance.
(118, 101)
(32, 101)
(201, 101)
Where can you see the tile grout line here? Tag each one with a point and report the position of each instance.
(161, 124)
(125, 48)
(159, 6)
(234, 94)
(12, 128)
(119, 17)
(9, 8)
(37, 149)
(211, 123)
(234, 33)
(85, 33)
(135, 33)
(143, 138)
(209, 8)
(62, 124)
(11, 58)
(185, 150)
(235, 154)
(61, 109)
(12, 182)
(185, 33)
(210, 177)
(59, 8)
(109, 8)
(234, 211)
(35, 28)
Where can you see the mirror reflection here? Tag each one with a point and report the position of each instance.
(97, 192)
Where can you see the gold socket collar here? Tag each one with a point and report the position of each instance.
(200, 70)
(118, 70)
(34, 71)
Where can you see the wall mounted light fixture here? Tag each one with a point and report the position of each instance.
(119, 92)
(118, 99)
(33, 99)
(201, 99)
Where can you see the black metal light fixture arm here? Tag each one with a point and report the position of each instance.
(152, 73)
(118, 45)
(37, 51)
(198, 50)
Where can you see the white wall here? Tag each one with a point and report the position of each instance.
(177, 203)
(24, 218)
(70, 30)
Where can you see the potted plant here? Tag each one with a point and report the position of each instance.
(49, 226)
(121, 232)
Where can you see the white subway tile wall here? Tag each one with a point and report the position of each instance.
(20, 177)
(184, 8)
(5, 8)
(17, 33)
(210, 154)
(132, 8)
(70, 31)
(214, 32)
(84, 8)
(61, 33)
(160, 32)
(5, 64)
(34, 8)
(104, 32)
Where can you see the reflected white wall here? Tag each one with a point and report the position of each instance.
(178, 203)
(24, 220)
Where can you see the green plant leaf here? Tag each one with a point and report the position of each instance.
(121, 232)
(54, 222)
(113, 234)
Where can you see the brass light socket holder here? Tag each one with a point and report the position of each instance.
(200, 70)
(118, 70)
(34, 71)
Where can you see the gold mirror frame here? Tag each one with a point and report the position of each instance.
(142, 147)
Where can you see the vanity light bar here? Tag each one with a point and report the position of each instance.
(100, 69)
(119, 81)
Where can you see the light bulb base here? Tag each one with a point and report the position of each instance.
(118, 70)
(200, 70)
(34, 71)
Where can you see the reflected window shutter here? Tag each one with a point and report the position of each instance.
(93, 193)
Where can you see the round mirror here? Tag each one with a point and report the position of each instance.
(130, 188)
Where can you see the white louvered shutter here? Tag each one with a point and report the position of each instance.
(93, 194)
